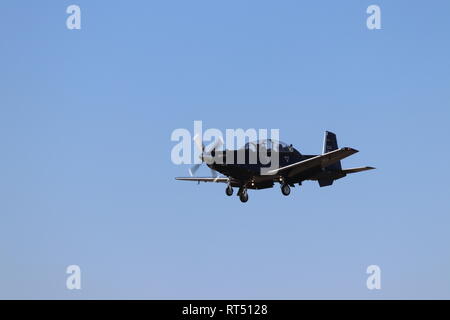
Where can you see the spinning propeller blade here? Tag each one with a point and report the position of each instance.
(201, 147)
(194, 169)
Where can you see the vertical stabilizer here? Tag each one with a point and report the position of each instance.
(330, 144)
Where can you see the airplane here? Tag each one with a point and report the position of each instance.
(293, 167)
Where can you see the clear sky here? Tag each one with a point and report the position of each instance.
(86, 176)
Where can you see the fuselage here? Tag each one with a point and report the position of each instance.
(246, 166)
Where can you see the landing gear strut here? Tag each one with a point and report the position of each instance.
(285, 189)
(229, 191)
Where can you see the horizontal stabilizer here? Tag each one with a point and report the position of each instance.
(354, 170)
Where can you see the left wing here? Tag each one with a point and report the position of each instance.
(218, 179)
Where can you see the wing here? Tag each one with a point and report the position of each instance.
(323, 160)
(218, 179)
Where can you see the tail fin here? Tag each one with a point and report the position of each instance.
(330, 144)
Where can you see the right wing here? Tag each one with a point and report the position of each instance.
(218, 179)
(323, 160)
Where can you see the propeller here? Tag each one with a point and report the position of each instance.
(208, 156)
(194, 168)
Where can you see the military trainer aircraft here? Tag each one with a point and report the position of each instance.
(254, 172)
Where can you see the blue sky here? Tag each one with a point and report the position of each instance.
(85, 171)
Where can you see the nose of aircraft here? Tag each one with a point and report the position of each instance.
(207, 157)
(213, 157)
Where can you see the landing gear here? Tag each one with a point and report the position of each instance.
(285, 189)
(229, 191)
(243, 195)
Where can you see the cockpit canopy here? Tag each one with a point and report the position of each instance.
(268, 144)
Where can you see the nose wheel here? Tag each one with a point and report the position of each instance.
(285, 189)
(243, 195)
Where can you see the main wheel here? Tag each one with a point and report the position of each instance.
(285, 189)
(229, 191)
(243, 196)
